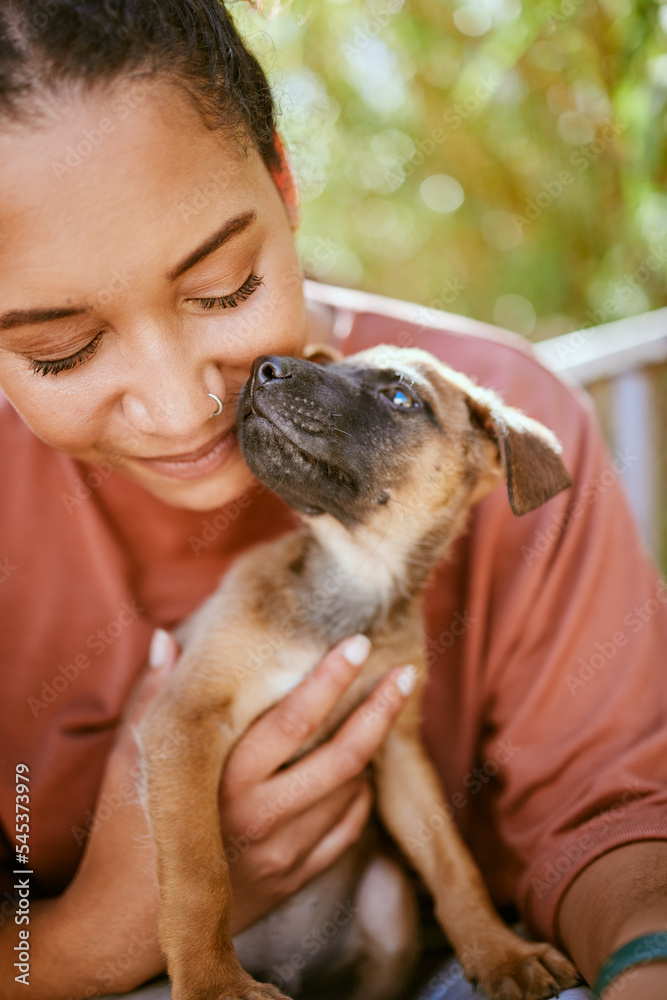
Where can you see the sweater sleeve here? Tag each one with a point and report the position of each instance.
(574, 676)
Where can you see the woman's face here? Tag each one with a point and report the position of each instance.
(145, 261)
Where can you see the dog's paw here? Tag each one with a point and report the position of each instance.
(259, 991)
(521, 971)
(255, 991)
(247, 989)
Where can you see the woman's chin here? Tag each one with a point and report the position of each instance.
(206, 493)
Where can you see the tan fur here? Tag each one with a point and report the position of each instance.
(276, 614)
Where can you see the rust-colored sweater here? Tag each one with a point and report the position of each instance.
(546, 711)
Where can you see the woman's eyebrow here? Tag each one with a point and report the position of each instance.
(230, 229)
(26, 317)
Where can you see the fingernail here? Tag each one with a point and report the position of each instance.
(160, 644)
(407, 679)
(357, 650)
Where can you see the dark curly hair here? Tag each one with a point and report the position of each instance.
(48, 45)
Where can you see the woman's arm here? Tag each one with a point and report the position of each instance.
(101, 933)
(619, 897)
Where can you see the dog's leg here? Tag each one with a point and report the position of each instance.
(507, 967)
(182, 786)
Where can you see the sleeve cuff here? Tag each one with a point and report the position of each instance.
(546, 880)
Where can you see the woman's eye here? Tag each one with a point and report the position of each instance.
(250, 285)
(55, 365)
(401, 399)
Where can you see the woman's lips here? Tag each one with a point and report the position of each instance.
(195, 464)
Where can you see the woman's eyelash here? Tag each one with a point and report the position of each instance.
(251, 284)
(64, 364)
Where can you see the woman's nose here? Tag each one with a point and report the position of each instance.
(175, 400)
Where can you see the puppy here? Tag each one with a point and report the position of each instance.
(382, 454)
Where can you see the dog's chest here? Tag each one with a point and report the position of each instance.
(292, 664)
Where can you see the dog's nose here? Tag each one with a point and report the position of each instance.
(270, 367)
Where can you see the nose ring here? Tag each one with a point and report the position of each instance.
(219, 409)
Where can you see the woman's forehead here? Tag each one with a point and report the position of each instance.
(122, 173)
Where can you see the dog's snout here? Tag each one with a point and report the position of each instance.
(269, 368)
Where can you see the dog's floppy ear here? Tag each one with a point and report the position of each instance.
(321, 354)
(529, 453)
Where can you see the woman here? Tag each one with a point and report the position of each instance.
(146, 216)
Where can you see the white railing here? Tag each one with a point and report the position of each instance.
(608, 351)
(618, 358)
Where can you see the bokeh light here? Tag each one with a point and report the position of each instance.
(500, 159)
(441, 193)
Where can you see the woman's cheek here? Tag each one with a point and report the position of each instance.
(57, 415)
(277, 325)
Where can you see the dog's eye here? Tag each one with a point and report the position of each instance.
(400, 398)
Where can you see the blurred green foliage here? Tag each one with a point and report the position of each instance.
(504, 159)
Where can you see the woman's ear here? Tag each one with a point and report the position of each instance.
(321, 354)
(285, 180)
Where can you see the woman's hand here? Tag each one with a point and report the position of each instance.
(283, 827)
